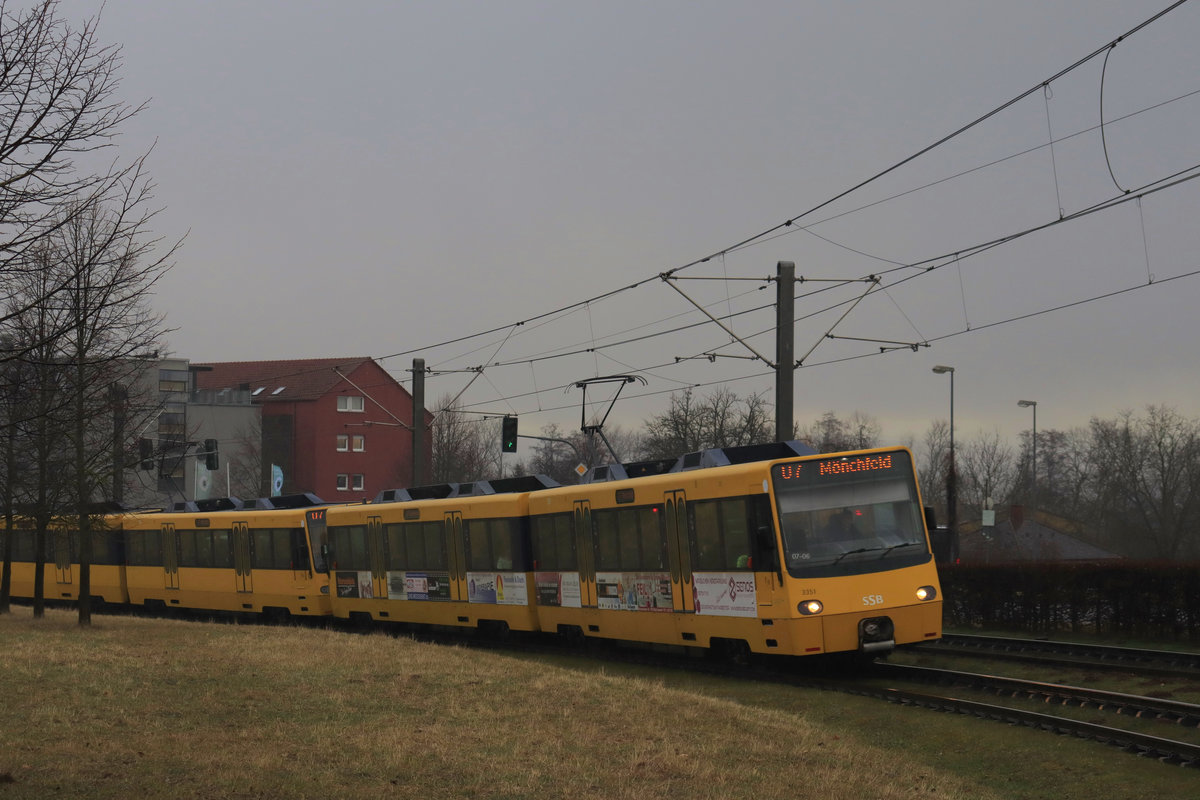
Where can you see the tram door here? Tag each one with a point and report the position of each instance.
(170, 555)
(585, 553)
(679, 551)
(376, 554)
(243, 580)
(62, 556)
(456, 553)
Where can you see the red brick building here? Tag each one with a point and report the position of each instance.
(336, 427)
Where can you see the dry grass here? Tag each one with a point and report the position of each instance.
(157, 708)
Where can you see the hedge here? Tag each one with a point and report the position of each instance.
(1142, 599)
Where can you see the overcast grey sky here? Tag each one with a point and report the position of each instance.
(376, 178)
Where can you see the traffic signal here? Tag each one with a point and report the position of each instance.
(508, 435)
(211, 460)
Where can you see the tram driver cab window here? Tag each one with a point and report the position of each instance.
(840, 527)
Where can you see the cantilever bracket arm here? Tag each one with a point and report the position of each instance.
(914, 346)
(668, 279)
(874, 282)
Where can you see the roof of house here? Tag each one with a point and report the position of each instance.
(279, 381)
(1040, 538)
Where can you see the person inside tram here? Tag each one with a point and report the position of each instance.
(503, 553)
(840, 527)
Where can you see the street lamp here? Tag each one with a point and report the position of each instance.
(1032, 404)
(951, 478)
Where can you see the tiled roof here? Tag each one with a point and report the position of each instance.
(279, 381)
(1032, 540)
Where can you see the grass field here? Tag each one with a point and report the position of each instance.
(153, 708)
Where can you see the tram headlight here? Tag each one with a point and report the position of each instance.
(926, 593)
(810, 607)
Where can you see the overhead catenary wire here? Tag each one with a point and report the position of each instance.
(792, 220)
(789, 226)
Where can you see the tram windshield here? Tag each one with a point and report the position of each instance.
(318, 535)
(849, 514)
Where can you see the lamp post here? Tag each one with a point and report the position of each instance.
(951, 478)
(1032, 404)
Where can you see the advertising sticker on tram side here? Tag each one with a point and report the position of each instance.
(725, 594)
(634, 591)
(427, 586)
(497, 588)
(355, 584)
(397, 586)
(558, 589)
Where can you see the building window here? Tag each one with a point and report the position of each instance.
(349, 402)
(358, 483)
(343, 443)
(360, 444)
(343, 482)
(172, 380)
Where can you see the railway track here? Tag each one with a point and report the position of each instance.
(1154, 662)
(1168, 751)
(1172, 711)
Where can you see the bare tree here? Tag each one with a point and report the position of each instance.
(832, 434)
(58, 101)
(987, 471)
(74, 259)
(1072, 470)
(105, 262)
(1149, 490)
(558, 453)
(933, 461)
(721, 419)
(41, 416)
(247, 472)
(465, 448)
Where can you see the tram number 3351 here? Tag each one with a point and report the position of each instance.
(872, 600)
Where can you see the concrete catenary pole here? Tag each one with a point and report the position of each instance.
(785, 348)
(418, 422)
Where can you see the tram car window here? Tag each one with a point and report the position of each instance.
(350, 550)
(494, 544)
(417, 546)
(434, 538)
(187, 547)
(722, 534)
(279, 548)
(197, 549)
(222, 549)
(22, 545)
(397, 546)
(143, 548)
(106, 548)
(629, 539)
(554, 543)
(608, 546)
(25, 546)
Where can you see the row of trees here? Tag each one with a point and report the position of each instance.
(1132, 482)
(77, 264)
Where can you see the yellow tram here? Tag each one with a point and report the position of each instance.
(240, 560)
(764, 549)
(61, 547)
(450, 556)
(742, 556)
